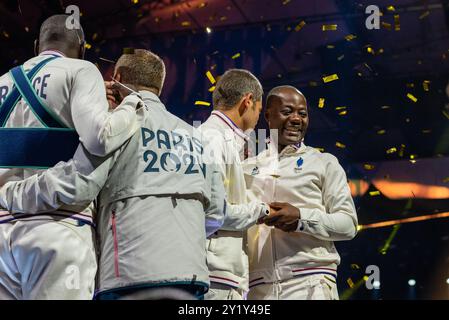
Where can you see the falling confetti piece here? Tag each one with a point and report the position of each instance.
(401, 151)
(185, 23)
(343, 113)
(341, 57)
(385, 107)
(340, 108)
(6, 34)
(330, 46)
(410, 85)
(425, 85)
(88, 45)
(390, 8)
(380, 132)
(426, 131)
(368, 166)
(424, 14)
(330, 78)
(446, 114)
(397, 24)
(370, 50)
(392, 150)
(350, 37)
(355, 266)
(235, 56)
(320, 149)
(340, 145)
(210, 77)
(350, 283)
(412, 97)
(285, 2)
(202, 103)
(300, 26)
(212, 89)
(329, 27)
(374, 193)
(321, 103)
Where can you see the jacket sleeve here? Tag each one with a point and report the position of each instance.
(68, 186)
(238, 216)
(339, 221)
(216, 212)
(100, 131)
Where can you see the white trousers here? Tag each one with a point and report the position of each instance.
(222, 292)
(313, 287)
(46, 259)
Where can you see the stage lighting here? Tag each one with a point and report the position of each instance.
(412, 282)
(208, 30)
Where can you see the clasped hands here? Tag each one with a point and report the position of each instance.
(282, 216)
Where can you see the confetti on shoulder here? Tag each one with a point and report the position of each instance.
(202, 103)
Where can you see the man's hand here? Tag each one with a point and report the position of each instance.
(283, 216)
(111, 95)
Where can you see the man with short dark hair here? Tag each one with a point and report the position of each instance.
(50, 104)
(237, 104)
(292, 255)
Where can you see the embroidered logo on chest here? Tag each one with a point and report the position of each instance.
(299, 164)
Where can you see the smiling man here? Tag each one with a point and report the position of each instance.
(292, 254)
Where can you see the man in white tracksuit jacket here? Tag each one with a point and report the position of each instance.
(292, 255)
(37, 250)
(237, 103)
(155, 191)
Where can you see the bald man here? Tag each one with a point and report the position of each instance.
(47, 106)
(292, 254)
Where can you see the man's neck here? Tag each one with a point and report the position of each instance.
(233, 114)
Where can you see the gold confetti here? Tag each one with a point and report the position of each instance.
(374, 193)
(6, 34)
(350, 283)
(350, 37)
(202, 5)
(135, 1)
(285, 2)
(211, 89)
(355, 266)
(410, 85)
(401, 151)
(313, 83)
(329, 27)
(380, 51)
(424, 14)
(370, 50)
(321, 103)
(426, 131)
(397, 24)
(320, 149)
(368, 166)
(88, 45)
(235, 56)
(330, 78)
(202, 103)
(386, 25)
(381, 132)
(300, 26)
(210, 77)
(330, 46)
(341, 57)
(446, 114)
(412, 97)
(385, 107)
(185, 23)
(340, 145)
(392, 150)
(425, 85)
(390, 8)
(343, 113)
(340, 108)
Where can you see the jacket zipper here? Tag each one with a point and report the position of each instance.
(114, 235)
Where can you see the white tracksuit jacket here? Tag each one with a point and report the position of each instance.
(155, 191)
(226, 249)
(316, 184)
(74, 90)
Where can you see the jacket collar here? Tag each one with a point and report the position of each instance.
(150, 98)
(228, 122)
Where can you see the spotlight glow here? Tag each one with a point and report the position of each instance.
(412, 282)
(208, 30)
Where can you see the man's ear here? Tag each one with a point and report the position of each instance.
(36, 47)
(245, 103)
